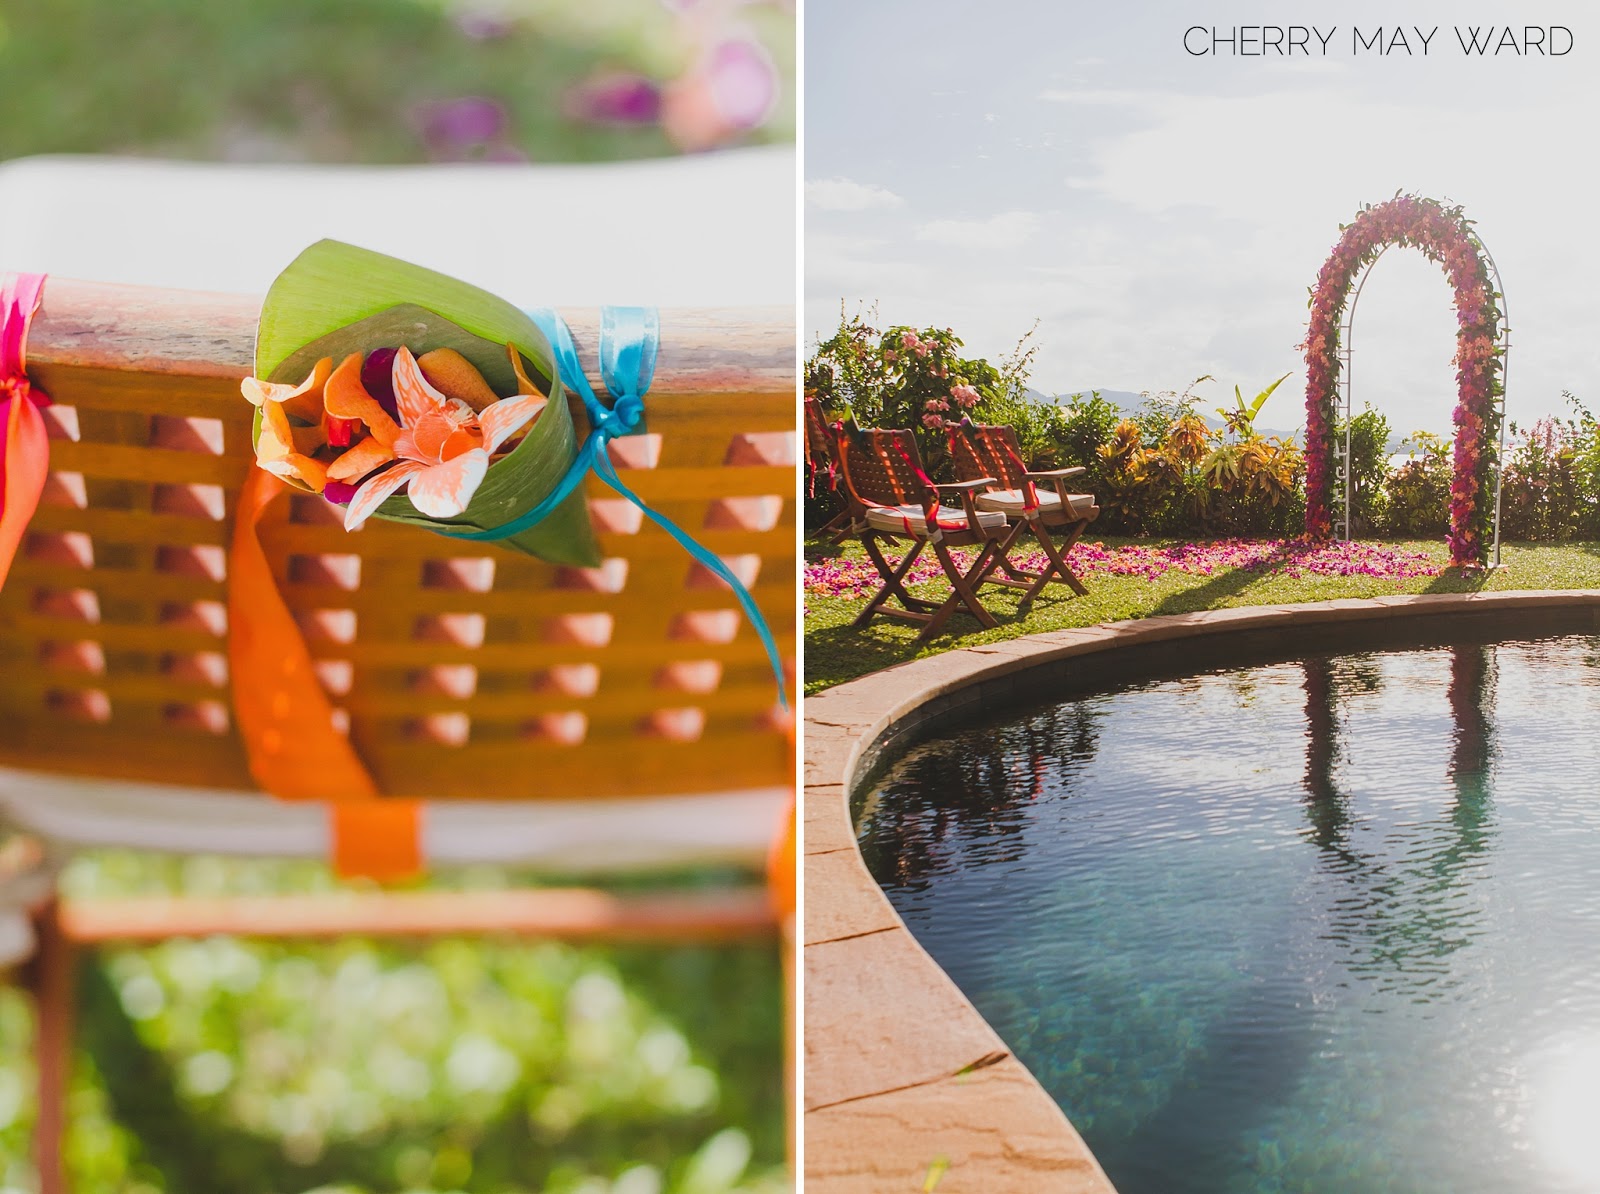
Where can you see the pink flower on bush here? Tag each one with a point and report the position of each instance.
(966, 395)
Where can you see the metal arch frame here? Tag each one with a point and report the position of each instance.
(1347, 399)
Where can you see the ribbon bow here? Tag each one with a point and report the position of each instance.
(628, 339)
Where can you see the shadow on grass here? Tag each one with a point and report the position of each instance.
(822, 548)
(1218, 589)
(1459, 580)
(844, 652)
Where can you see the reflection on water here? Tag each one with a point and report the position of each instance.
(1327, 925)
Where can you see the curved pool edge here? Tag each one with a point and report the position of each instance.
(904, 1078)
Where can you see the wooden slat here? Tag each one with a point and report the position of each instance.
(494, 770)
(510, 656)
(617, 709)
(569, 914)
(132, 329)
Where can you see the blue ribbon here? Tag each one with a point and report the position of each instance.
(628, 339)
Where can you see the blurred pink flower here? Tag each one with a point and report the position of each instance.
(614, 98)
(731, 90)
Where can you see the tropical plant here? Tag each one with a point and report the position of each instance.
(1418, 492)
(1369, 467)
(1242, 419)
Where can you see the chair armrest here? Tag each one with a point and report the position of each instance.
(966, 486)
(1075, 470)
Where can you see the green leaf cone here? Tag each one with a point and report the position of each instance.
(335, 299)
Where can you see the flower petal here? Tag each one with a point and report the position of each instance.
(456, 377)
(311, 473)
(509, 416)
(444, 490)
(370, 496)
(524, 384)
(360, 460)
(346, 398)
(417, 398)
(276, 439)
(303, 401)
(426, 439)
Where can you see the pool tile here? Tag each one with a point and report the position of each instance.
(893, 1140)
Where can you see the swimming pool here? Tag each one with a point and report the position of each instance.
(1330, 924)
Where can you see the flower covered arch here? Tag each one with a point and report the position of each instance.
(1446, 236)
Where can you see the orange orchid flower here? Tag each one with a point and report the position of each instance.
(443, 446)
(283, 448)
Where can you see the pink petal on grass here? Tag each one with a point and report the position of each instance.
(614, 98)
(443, 490)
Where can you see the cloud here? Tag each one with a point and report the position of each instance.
(1009, 230)
(842, 194)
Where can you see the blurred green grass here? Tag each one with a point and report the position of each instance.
(478, 1065)
(342, 81)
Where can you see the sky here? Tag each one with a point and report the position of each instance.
(1163, 215)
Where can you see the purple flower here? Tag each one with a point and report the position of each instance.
(614, 98)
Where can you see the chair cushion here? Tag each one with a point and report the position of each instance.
(1011, 501)
(897, 518)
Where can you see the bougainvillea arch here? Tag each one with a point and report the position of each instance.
(1446, 236)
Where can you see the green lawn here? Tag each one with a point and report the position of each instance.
(834, 652)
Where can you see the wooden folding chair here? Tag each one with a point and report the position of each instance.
(822, 459)
(892, 500)
(988, 451)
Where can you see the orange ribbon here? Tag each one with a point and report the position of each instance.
(285, 718)
(781, 876)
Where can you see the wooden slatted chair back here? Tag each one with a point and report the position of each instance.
(882, 467)
(461, 670)
(988, 450)
(821, 452)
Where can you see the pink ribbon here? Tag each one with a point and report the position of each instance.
(24, 445)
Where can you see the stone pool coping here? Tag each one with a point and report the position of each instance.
(906, 1086)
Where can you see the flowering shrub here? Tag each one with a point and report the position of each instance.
(1416, 494)
(903, 377)
(1444, 235)
(1542, 497)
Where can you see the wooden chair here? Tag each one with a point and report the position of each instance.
(893, 500)
(601, 719)
(822, 459)
(989, 451)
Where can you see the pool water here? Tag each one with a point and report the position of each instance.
(1330, 925)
